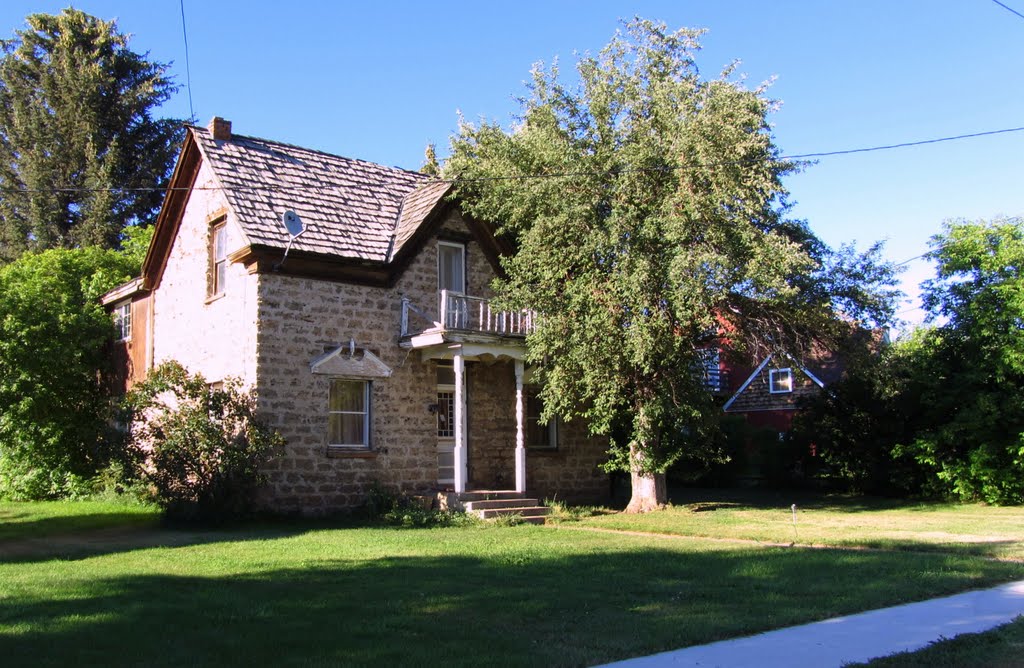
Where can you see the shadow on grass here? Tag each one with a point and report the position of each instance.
(87, 536)
(767, 499)
(14, 527)
(519, 606)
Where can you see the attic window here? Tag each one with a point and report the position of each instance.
(218, 258)
(780, 381)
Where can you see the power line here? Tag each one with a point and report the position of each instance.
(549, 175)
(888, 147)
(188, 72)
(1009, 9)
(909, 260)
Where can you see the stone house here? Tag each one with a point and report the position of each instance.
(354, 298)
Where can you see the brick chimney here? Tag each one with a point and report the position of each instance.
(219, 128)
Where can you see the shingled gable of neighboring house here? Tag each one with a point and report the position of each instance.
(369, 338)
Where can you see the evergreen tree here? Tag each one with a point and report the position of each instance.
(77, 135)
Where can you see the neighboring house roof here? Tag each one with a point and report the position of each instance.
(365, 216)
(750, 379)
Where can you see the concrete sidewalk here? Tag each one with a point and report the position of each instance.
(856, 638)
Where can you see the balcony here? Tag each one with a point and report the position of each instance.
(465, 314)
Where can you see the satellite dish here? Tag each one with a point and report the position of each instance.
(292, 223)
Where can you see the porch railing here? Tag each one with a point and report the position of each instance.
(458, 312)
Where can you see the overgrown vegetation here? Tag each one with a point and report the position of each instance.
(55, 397)
(942, 411)
(387, 507)
(200, 447)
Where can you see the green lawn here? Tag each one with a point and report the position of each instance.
(968, 529)
(313, 594)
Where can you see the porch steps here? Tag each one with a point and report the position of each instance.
(492, 504)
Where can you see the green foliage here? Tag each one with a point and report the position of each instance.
(855, 425)
(200, 447)
(942, 411)
(76, 121)
(135, 242)
(55, 402)
(386, 507)
(647, 208)
(969, 373)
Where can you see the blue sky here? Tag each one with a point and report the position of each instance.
(378, 81)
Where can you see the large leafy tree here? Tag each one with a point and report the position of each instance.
(55, 403)
(968, 380)
(646, 207)
(81, 155)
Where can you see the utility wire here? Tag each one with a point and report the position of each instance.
(909, 260)
(188, 72)
(1009, 9)
(550, 175)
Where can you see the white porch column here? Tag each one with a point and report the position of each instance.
(460, 423)
(520, 439)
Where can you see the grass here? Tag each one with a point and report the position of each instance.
(40, 519)
(966, 529)
(1002, 647)
(306, 593)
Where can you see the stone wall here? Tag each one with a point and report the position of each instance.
(267, 329)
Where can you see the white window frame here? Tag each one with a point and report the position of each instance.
(218, 257)
(552, 425)
(123, 320)
(462, 254)
(367, 414)
(777, 379)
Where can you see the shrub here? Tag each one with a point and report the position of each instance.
(55, 401)
(200, 447)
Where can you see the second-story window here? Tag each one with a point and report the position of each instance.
(451, 267)
(219, 258)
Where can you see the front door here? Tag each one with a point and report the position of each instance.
(446, 423)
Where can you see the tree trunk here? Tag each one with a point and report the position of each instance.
(648, 489)
(649, 492)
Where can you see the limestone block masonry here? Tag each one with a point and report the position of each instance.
(266, 328)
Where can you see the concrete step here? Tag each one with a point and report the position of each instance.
(491, 504)
(489, 495)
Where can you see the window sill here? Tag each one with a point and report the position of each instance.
(213, 298)
(350, 453)
(543, 452)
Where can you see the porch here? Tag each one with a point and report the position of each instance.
(468, 329)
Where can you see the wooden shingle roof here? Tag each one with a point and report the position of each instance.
(351, 209)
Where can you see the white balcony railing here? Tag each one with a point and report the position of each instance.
(458, 312)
